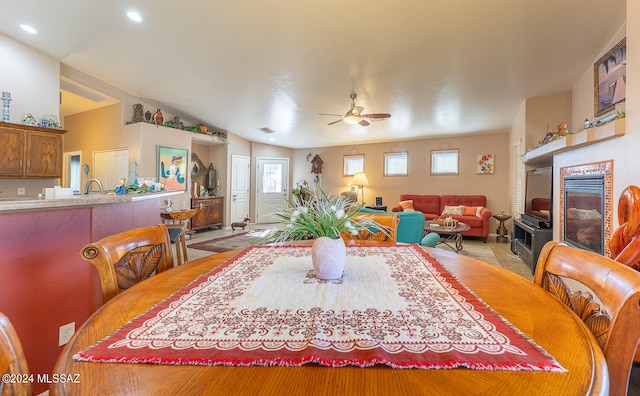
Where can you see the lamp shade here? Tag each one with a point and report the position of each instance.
(359, 179)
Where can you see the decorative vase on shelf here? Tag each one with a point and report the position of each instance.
(158, 118)
(6, 101)
(329, 257)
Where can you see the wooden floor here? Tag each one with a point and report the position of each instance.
(502, 251)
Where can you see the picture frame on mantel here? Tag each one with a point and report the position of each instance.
(609, 79)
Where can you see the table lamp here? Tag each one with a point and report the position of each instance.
(360, 180)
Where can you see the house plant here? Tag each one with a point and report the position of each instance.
(323, 218)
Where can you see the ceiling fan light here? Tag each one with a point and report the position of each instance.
(352, 119)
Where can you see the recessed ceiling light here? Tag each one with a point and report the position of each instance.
(28, 29)
(273, 139)
(134, 16)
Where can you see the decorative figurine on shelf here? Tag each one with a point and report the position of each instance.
(6, 101)
(586, 123)
(562, 130)
(168, 205)
(177, 123)
(147, 116)
(158, 118)
(210, 179)
(316, 168)
(29, 119)
(138, 113)
(240, 224)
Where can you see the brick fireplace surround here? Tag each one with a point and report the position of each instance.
(596, 168)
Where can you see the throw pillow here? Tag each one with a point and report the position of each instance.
(453, 210)
(472, 211)
(407, 206)
(469, 211)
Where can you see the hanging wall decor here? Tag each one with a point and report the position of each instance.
(485, 164)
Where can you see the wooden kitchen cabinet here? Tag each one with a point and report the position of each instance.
(28, 151)
(209, 212)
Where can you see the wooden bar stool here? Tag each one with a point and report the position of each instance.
(178, 231)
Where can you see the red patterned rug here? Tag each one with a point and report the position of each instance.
(231, 242)
(395, 305)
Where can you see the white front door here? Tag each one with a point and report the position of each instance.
(272, 187)
(240, 176)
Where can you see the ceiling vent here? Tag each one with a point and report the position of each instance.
(266, 130)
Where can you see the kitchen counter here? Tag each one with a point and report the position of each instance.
(22, 203)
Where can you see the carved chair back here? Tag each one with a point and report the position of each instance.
(12, 360)
(613, 316)
(129, 257)
(388, 221)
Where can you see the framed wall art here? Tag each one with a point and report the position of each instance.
(485, 164)
(172, 168)
(610, 79)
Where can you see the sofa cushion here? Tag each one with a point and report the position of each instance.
(410, 226)
(472, 211)
(464, 200)
(453, 210)
(424, 203)
(407, 206)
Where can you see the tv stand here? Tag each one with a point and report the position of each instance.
(527, 242)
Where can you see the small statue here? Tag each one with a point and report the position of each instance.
(158, 118)
(138, 113)
(168, 205)
(147, 116)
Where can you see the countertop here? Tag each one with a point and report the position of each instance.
(30, 203)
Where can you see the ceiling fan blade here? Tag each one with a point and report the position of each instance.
(363, 123)
(377, 115)
(335, 122)
(336, 115)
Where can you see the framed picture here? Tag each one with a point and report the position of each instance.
(610, 79)
(485, 164)
(172, 168)
(353, 164)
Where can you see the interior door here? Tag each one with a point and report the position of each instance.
(272, 187)
(110, 166)
(240, 177)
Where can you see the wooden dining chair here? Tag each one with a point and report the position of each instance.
(612, 315)
(129, 257)
(12, 360)
(386, 220)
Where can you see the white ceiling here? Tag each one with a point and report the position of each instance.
(439, 67)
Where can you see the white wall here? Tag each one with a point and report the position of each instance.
(33, 79)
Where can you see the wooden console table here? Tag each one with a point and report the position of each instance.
(209, 212)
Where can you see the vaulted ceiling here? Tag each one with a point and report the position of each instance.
(438, 67)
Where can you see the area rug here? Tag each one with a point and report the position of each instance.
(235, 241)
(394, 305)
(477, 250)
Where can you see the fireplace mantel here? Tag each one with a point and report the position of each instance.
(544, 154)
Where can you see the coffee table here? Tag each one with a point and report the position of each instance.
(452, 237)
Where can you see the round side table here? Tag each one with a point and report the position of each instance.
(502, 230)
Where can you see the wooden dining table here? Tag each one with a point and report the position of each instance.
(526, 306)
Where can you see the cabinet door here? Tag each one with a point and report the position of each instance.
(44, 155)
(11, 152)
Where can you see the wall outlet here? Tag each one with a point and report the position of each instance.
(22, 191)
(66, 332)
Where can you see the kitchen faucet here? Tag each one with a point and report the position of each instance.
(88, 184)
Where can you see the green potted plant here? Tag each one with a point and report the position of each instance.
(323, 218)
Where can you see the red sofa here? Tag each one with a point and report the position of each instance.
(432, 207)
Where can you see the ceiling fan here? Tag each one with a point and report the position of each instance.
(355, 116)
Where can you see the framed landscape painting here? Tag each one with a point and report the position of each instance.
(172, 168)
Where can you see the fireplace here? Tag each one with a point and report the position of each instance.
(585, 206)
(583, 212)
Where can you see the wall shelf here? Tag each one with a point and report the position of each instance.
(569, 142)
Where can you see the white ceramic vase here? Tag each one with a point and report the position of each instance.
(329, 257)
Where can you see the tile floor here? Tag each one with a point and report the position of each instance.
(502, 251)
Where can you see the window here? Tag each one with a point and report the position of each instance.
(353, 164)
(272, 178)
(444, 162)
(395, 164)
